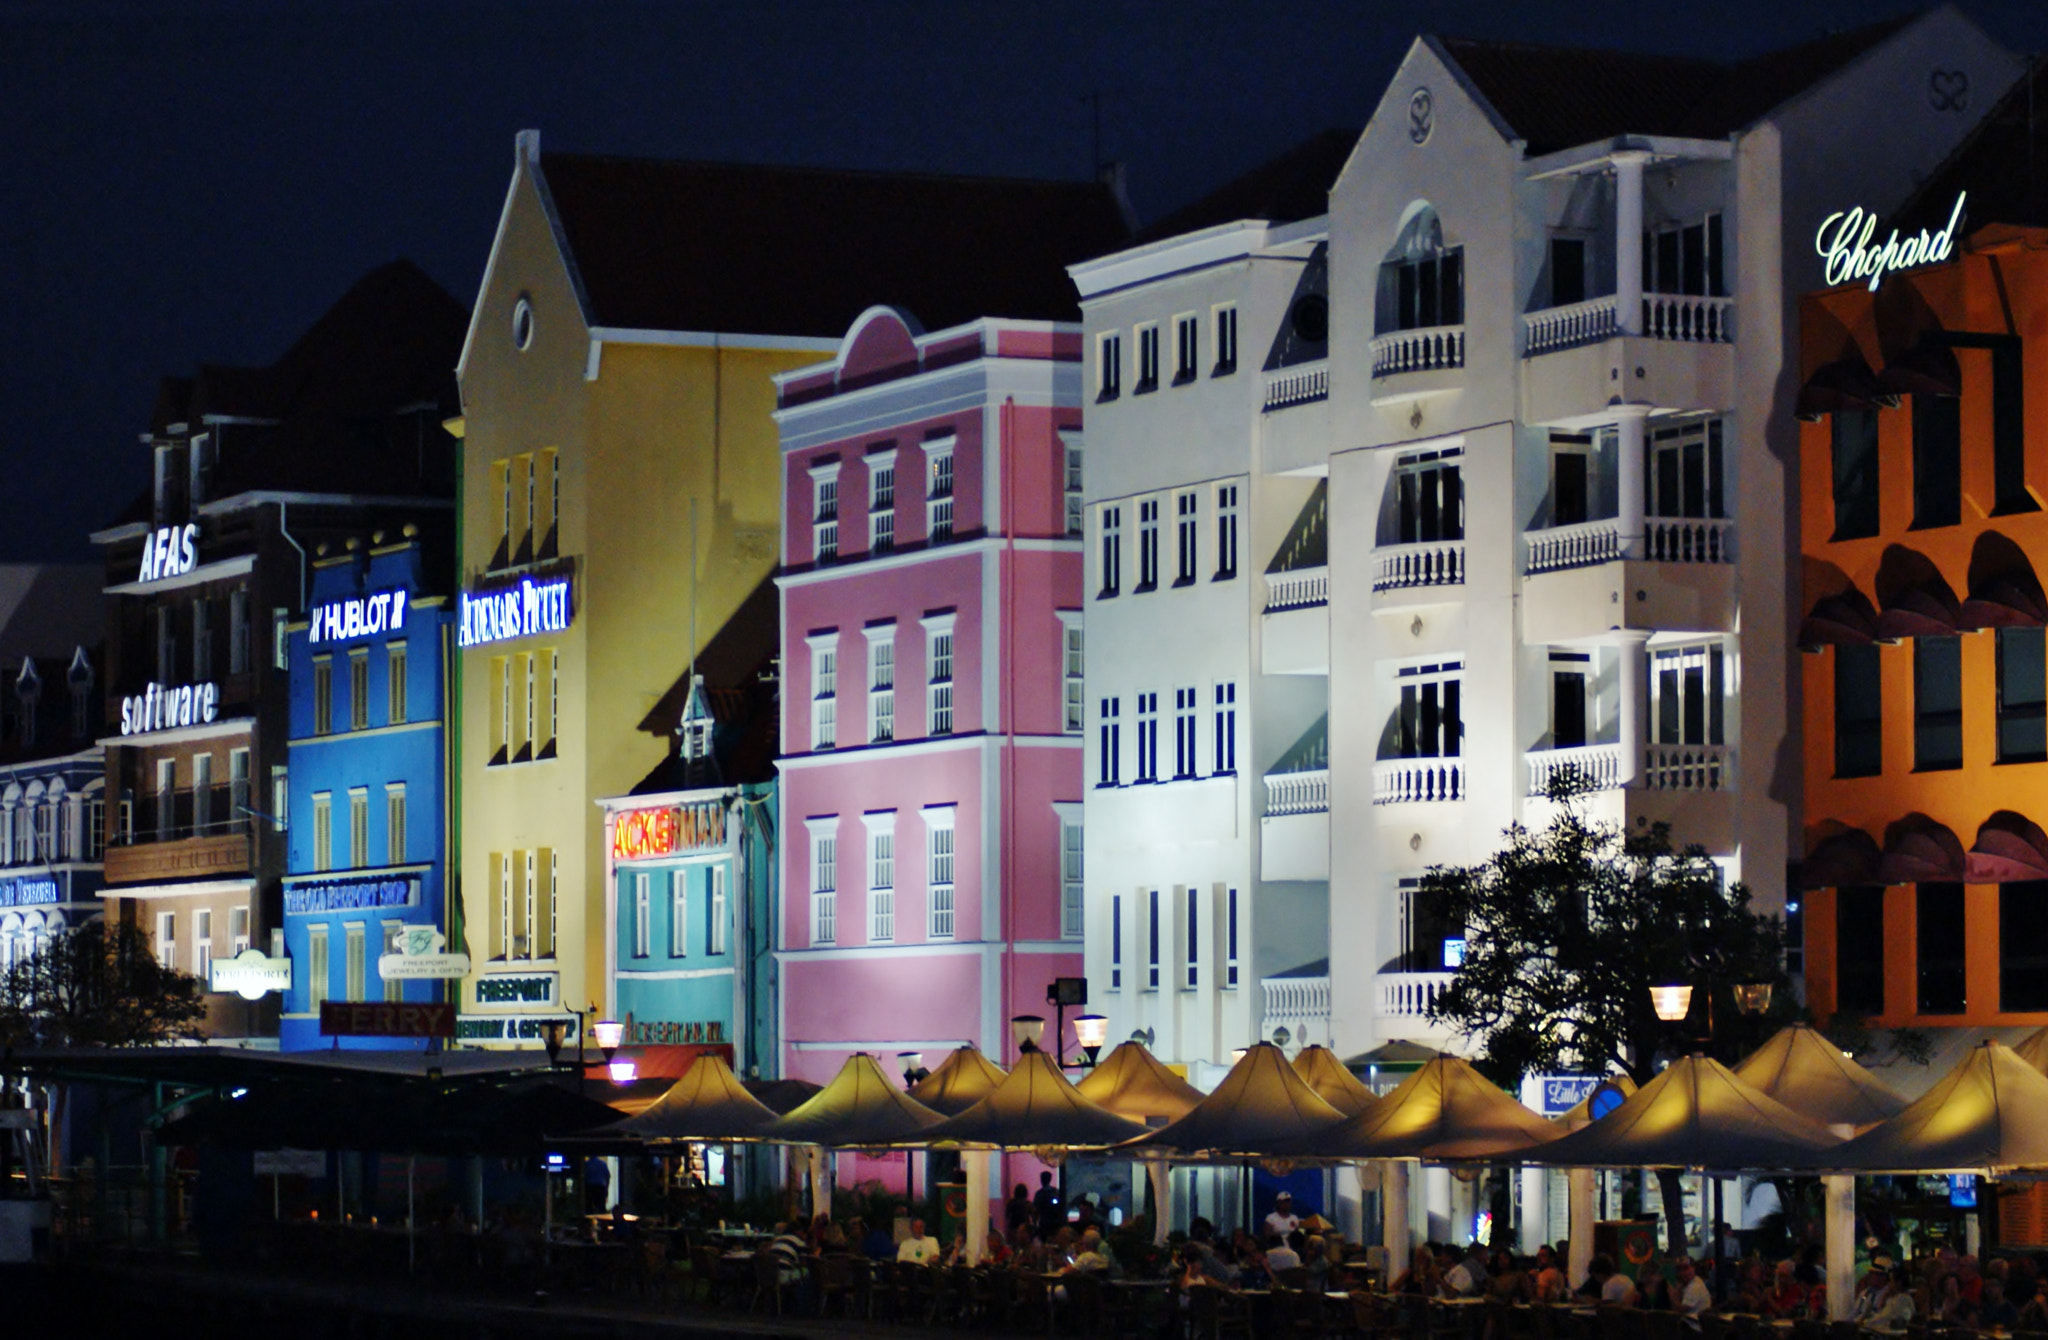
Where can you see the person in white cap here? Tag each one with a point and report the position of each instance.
(1283, 1220)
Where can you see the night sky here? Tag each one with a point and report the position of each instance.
(197, 182)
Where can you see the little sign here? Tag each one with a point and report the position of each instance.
(1844, 240)
(512, 1027)
(358, 616)
(169, 551)
(504, 989)
(523, 610)
(419, 952)
(291, 1163)
(164, 707)
(385, 1019)
(252, 974)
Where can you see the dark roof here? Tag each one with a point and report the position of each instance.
(2002, 164)
(1292, 186)
(1558, 97)
(756, 250)
(738, 667)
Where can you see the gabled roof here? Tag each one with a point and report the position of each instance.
(1557, 97)
(1286, 188)
(744, 249)
(2002, 164)
(737, 666)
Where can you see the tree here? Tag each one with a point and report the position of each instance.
(1566, 931)
(97, 985)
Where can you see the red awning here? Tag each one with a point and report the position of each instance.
(662, 1061)
(1844, 620)
(1918, 850)
(1845, 857)
(2010, 848)
(1922, 610)
(1929, 367)
(1845, 384)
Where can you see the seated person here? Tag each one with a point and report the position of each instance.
(877, 1245)
(1997, 1312)
(1547, 1282)
(1616, 1289)
(1785, 1298)
(1894, 1309)
(920, 1248)
(1280, 1256)
(1467, 1279)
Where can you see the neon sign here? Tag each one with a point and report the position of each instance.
(1844, 240)
(359, 616)
(169, 551)
(524, 610)
(162, 707)
(640, 834)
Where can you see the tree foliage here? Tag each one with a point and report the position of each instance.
(98, 985)
(1568, 928)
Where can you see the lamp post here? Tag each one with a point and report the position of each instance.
(1091, 1031)
(1027, 1031)
(609, 1034)
(914, 1074)
(1060, 993)
(551, 1032)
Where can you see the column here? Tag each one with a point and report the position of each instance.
(1839, 1220)
(1394, 1231)
(1631, 489)
(1535, 1208)
(1634, 706)
(1628, 239)
(1579, 1190)
(974, 1162)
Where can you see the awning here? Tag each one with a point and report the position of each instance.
(2009, 848)
(707, 1103)
(1332, 1081)
(1986, 1116)
(1847, 383)
(1134, 1083)
(1816, 1079)
(1259, 1105)
(1920, 850)
(1927, 367)
(2005, 592)
(860, 1108)
(1446, 1110)
(1845, 857)
(1034, 1107)
(1913, 598)
(1697, 1114)
(1847, 619)
(963, 1079)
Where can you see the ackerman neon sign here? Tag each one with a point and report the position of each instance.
(1844, 241)
(527, 609)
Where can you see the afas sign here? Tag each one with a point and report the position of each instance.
(169, 551)
(1844, 240)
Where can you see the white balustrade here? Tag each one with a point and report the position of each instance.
(1400, 781)
(1693, 320)
(1294, 1000)
(1298, 385)
(1575, 546)
(1686, 539)
(1688, 767)
(1599, 764)
(1298, 792)
(1573, 324)
(1408, 995)
(1424, 350)
(1297, 589)
(1427, 563)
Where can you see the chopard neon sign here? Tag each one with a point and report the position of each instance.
(1844, 240)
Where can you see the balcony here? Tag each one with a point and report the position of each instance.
(1298, 792)
(1301, 588)
(1295, 627)
(1688, 539)
(1430, 349)
(1580, 359)
(1584, 580)
(1294, 832)
(1298, 384)
(1683, 318)
(1600, 764)
(1408, 995)
(1404, 781)
(1299, 1003)
(1666, 767)
(1575, 546)
(1408, 567)
(189, 812)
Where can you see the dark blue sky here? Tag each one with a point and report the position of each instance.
(196, 182)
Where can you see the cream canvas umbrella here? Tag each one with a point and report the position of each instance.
(1444, 1111)
(1697, 1114)
(1815, 1078)
(1033, 1108)
(1332, 1081)
(1261, 1103)
(1134, 1083)
(2033, 1049)
(860, 1108)
(1988, 1115)
(706, 1104)
(963, 1079)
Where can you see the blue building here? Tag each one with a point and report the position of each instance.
(367, 795)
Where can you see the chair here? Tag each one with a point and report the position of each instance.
(1214, 1313)
(916, 1292)
(834, 1274)
(1665, 1326)
(767, 1281)
(1034, 1299)
(1083, 1306)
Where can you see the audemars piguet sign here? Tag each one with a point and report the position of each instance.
(1844, 240)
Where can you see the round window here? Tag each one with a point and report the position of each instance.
(1311, 319)
(522, 324)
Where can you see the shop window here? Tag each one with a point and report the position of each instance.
(1937, 703)
(1937, 461)
(1853, 435)
(1859, 949)
(2022, 696)
(1941, 948)
(2023, 946)
(1859, 712)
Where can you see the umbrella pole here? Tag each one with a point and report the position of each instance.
(1394, 1232)
(1159, 1176)
(975, 1164)
(1838, 1191)
(1579, 1190)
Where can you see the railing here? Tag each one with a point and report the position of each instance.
(1574, 324)
(1424, 350)
(1687, 539)
(1298, 385)
(1575, 546)
(1687, 767)
(1428, 563)
(1408, 995)
(1298, 792)
(1694, 320)
(1400, 781)
(1599, 764)
(209, 811)
(1292, 1000)
(1297, 589)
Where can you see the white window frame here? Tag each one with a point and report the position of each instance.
(1116, 942)
(1223, 728)
(394, 823)
(939, 488)
(881, 677)
(1109, 560)
(1230, 940)
(825, 513)
(881, 500)
(824, 879)
(1187, 547)
(643, 896)
(1226, 502)
(824, 647)
(1073, 671)
(1148, 544)
(940, 649)
(881, 881)
(1073, 868)
(1187, 347)
(1191, 934)
(714, 941)
(167, 939)
(1072, 481)
(1148, 738)
(1153, 934)
(530, 895)
(1187, 759)
(1110, 742)
(238, 928)
(202, 947)
(1146, 336)
(1109, 365)
(1223, 322)
(940, 871)
(679, 912)
(323, 831)
(358, 827)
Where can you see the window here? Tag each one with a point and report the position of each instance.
(1109, 366)
(2023, 946)
(357, 969)
(508, 933)
(551, 869)
(1184, 709)
(1571, 478)
(1688, 692)
(825, 513)
(165, 801)
(238, 929)
(166, 645)
(202, 948)
(1073, 671)
(238, 787)
(824, 882)
(1427, 722)
(1429, 497)
(1110, 743)
(1148, 544)
(1152, 941)
(1230, 940)
(824, 690)
(280, 798)
(1853, 438)
(881, 502)
(1937, 461)
(323, 695)
(1938, 913)
(1687, 258)
(939, 490)
(394, 823)
(938, 873)
(1226, 341)
(679, 913)
(2022, 696)
(238, 631)
(394, 683)
(202, 639)
(529, 699)
(1685, 470)
(1185, 508)
(394, 987)
(202, 796)
(1937, 703)
(1859, 712)
(881, 684)
(549, 464)
(1193, 976)
(501, 719)
(550, 662)
(1567, 270)
(2009, 431)
(1571, 697)
(358, 827)
(1148, 359)
(1184, 347)
(881, 878)
(529, 904)
(323, 830)
(167, 939)
(501, 484)
(1224, 729)
(1112, 562)
(1425, 288)
(358, 690)
(522, 466)
(317, 983)
(1116, 942)
(714, 937)
(1073, 491)
(1148, 737)
(939, 672)
(1072, 855)
(643, 892)
(1226, 531)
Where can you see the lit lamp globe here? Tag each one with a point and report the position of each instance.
(1753, 997)
(609, 1034)
(1672, 1001)
(1091, 1031)
(624, 1071)
(1027, 1031)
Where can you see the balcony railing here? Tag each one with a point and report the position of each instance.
(1599, 764)
(1297, 589)
(1298, 385)
(1686, 539)
(1687, 767)
(1424, 350)
(1298, 792)
(1401, 781)
(1428, 563)
(1408, 995)
(1292, 1002)
(1571, 325)
(1666, 316)
(1574, 546)
(209, 811)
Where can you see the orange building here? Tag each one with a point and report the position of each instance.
(1924, 539)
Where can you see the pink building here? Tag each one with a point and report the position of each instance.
(931, 704)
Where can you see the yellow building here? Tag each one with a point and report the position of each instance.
(617, 399)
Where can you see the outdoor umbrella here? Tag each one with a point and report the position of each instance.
(1446, 1110)
(1261, 1103)
(963, 1079)
(1697, 1114)
(1988, 1115)
(860, 1108)
(782, 1096)
(1033, 1108)
(706, 1104)
(1334, 1084)
(1134, 1083)
(2033, 1049)
(1815, 1078)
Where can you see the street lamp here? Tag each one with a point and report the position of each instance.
(1027, 1031)
(1091, 1031)
(1672, 1001)
(551, 1037)
(1060, 993)
(914, 1072)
